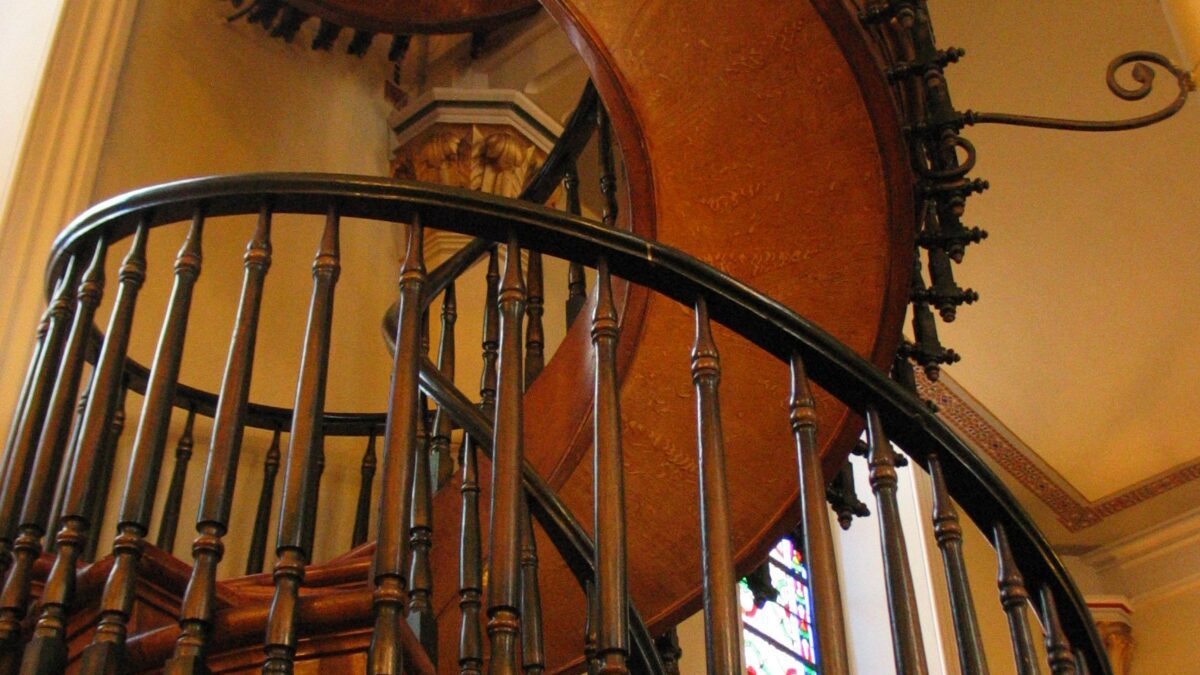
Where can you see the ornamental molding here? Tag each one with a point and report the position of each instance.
(1075, 512)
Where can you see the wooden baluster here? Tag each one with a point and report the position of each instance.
(169, 523)
(1013, 597)
(1081, 662)
(608, 483)
(535, 334)
(669, 652)
(6, 468)
(304, 448)
(362, 513)
(106, 652)
(491, 337)
(1058, 648)
(60, 486)
(948, 532)
(909, 651)
(262, 515)
(220, 473)
(47, 651)
(470, 567)
(50, 443)
(105, 459)
(443, 465)
(591, 627)
(576, 282)
(421, 616)
(314, 490)
(814, 524)
(504, 571)
(608, 173)
(533, 653)
(722, 614)
(20, 455)
(389, 571)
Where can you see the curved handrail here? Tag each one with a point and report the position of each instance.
(673, 273)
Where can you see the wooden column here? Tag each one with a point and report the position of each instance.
(389, 568)
(908, 649)
(722, 615)
(533, 653)
(814, 523)
(504, 569)
(362, 512)
(301, 468)
(106, 654)
(220, 474)
(443, 465)
(47, 651)
(262, 515)
(1014, 597)
(1059, 655)
(169, 523)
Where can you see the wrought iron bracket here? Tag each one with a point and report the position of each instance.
(1141, 73)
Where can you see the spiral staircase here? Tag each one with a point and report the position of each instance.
(597, 498)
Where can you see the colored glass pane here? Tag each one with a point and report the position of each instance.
(779, 636)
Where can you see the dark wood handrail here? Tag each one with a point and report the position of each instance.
(768, 324)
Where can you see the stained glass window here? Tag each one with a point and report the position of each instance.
(779, 637)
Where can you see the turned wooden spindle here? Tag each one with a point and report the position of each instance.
(814, 524)
(908, 649)
(106, 652)
(722, 614)
(14, 426)
(608, 172)
(262, 514)
(301, 471)
(220, 473)
(362, 511)
(669, 652)
(105, 459)
(576, 282)
(439, 446)
(169, 523)
(421, 616)
(47, 651)
(491, 337)
(591, 627)
(504, 569)
(533, 652)
(948, 533)
(535, 334)
(1059, 656)
(608, 483)
(27, 545)
(21, 455)
(1013, 598)
(389, 568)
(470, 566)
(60, 485)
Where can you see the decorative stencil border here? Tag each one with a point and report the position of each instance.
(1075, 513)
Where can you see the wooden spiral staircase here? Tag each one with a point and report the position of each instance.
(774, 205)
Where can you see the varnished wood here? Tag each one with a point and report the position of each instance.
(722, 615)
(669, 651)
(47, 651)
(1058, 648)
(220, 474)
(608, 464)
(421, 616)
(470, 565)
(576, 283)
(504, 569)
(443, 464)
(362, 512)
(533, 653)
(814, 524)
(908, 648)
(304, 447)
(390, 571)
(60, 487)
(608, 172)
(27, 547)
(948, 532)
(491, 336)
(262, 517)
(1013, 598)
(21, 455)
(169, 523)
(106, 653)
(97, 505)
(535, 334)
(591, 627)
(10, 442)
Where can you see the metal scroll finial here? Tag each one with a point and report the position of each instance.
(1141, 73)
